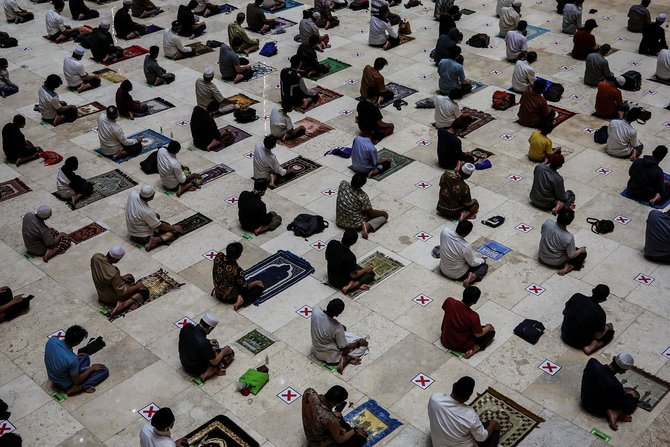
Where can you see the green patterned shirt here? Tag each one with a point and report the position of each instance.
(351, 204)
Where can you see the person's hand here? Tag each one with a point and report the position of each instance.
(17, 299)
(368, 270)
(97, 367)
(361, 431)
(141, 286)
(490, 327)
(3, 288)
(493, 426)
(362, 342)
(177, 228)
(257, 283)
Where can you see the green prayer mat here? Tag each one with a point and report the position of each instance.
(602, 435)
(255, 379)
(60, 397)
(197, 382)
(335, 66)
(397, 163)
(456, 354)
(383, 266)
(255, 342)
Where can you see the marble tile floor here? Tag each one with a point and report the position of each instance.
(141, 348)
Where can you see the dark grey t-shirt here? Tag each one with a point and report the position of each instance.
(547, 187)
(228, 60)
(657, 237)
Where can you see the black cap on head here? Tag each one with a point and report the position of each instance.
(463, 388)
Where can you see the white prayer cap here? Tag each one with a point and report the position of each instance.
(624, 361)
(209, 72)
(621, 81)
(79, 51)
(661, 17)
(43, 211)
(210, 320)
(468, 169)
(147, 192)
(116, 252)
(104, 23)
(127, 2)
(316, 15)
(516, 3)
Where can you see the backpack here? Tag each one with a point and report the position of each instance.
(245, 115)
(554, 92)
(479, 40)
(305, 225)
(503, 100)
(494, 222)
(529, 330)
(600, 136)
(404, 28)
(213, 43)
(8, 42)
(269, 49)
(150, 164)
(633, 81)
(357, 5)
(603, 226)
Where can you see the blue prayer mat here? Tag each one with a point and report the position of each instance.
(288, 5)
(658, 206)
(493, 250)
(151, 140)
(278, 272)
(376, 421)
(535, 31)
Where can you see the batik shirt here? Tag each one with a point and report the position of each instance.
(351, 204)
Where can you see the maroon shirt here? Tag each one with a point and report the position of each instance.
(459, 326)
(584, 44)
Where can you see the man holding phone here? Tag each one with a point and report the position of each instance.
(323, 422)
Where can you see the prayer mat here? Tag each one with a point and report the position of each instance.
(150, 140)
(405, 38)
(657, 206)
(157, 105)
(652, 389)
(149, 29)
(12, 188)
(476, 86)
(561, 115)
(110, 75)
(260, 70)
(467, 12)
(288, 5)
(220, 432)
(200, 48)
(383, 266)
(397, 163)
(476, 120)
(301, 166)
(104, 185)
(255, 342)
(241, 100)
(282, 24)
(376, 421)
(238, 133)
(515, 421)
(85, 233)
(313, 128)
(325, 96)
(535, 31)
(216, 171)
(82, 30)
(335, 66)
(493, 250)
(480, 154)
(129, 53)
(399, 92)
(227, 8)
(192, 223)
(278, 272)
(89, 109)
(655, 78)
(158, 283)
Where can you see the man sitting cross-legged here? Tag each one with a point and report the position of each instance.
(343, 271)
(557, 244)
(354, 210)
(455, 200)
(548, 190)
(70, 372)
(322, 419)
(604, 395)
(40, 239)
(458, 260)
(200, 356)
(584, 325)
(113, 289)
(174, 176)
(113, 141)
(647, 181)
(206, 134)
(364, 156)
(330, 342)
(461, 329)
(144, 224)
(230, 285)
(253, 213)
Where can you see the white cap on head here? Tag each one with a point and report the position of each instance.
(127, 2)
(210, 320)
(147, 192)
(43, 211)
(624, 361)
(117, 252)
(621, 81)
(104, 23)
(661, 17)
(316, 15)
(78, 50)
(209, 72)
(516, 3)
(468, 168)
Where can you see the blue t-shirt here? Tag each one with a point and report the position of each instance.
(363, 155)
(657, 236)
(61, 363)
(451, 75)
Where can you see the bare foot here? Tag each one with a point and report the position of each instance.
(90, 390)
(238, 303)
(365, 287)
(364, 230)
(567, 268)
(221, 372)
(470, 279)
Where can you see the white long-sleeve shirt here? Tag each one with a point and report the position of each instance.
(54, 22)
(523, 76)
(446, 111)
(621, 138)
(172, 44)
(169, 169)
(509, 19)
(456, 254)
(11, 8)
(663, 65)
(379, 30)
(111, 135)
(515, 44)
(73, 70)
(502, 4)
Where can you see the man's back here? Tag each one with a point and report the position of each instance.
(646, 178)
(363, 155)
(657, 234)
(638, 17)
(556, 244)
(318, 420)
(547, 187)
(459, 325)
(582, 318)
(453, 424)
(150, 438)
(251, 210)
(327, 336)
(597, 69)
(350, 206)
(341, 263)
(195, 351)
(600, 389)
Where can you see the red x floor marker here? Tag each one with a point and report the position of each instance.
(622, 219)
(248, 155)
(666, 353)
(149, 411)
(589, 130)
(423, 142)
(232, 200)
(535, 289)
(644, 279)
(330, 192)
(289, 395)
(59, 334)
(522, 227)
(422, 300)
(318, 245)
(184, 321)
(182, 123)
(514, 178)
(6, 427)
(604, 171)
(422, 381)
(345, 112)
(506, 137)
(549, 367)
(423, 185)
(423, 236)
(305, 311)
(210, 254)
